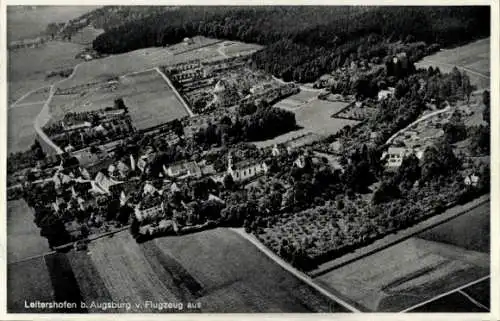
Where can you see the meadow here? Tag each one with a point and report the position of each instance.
(406, 274)
(312, 117)
(30, 21)
(217, 268)
(20, 130)
(470, 231)
(23, 236)
(473, 58)
(28, 67)
(138, 60)
(150, 100)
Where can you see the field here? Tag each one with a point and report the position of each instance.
(117, 65)
(313, 117)
(406, 274)
(474, 58)
(296, 101)
(20, 130)
(233, 48)
(86, 35)
(27, 67)
(30, 21)
(217, 268)
(470, 231)
(23, 236)
(151, 101)
(30, 281)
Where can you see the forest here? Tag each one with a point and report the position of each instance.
(302, 43)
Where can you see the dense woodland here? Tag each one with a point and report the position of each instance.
(302, 43)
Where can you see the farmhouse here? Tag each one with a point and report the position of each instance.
(385, 93)
(154, 211)
(184, 169)
(471, 180)
(394, 155)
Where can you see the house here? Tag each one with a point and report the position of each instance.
(300, 162)
(246, 169)
(394, 155)
(123, 169)
(184, 169)
(471, 180)
(155, 211)
(149, 189)
(86, 157)
(385, 93)
(104, 183)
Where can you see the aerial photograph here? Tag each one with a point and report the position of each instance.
(248, 159)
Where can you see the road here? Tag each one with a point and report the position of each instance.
(434, 113)
(189, 111)
(292, 270)
(459, 290)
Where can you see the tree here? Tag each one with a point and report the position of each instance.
(409, 171)
(486, 102)
(387, 191)
(228, 182)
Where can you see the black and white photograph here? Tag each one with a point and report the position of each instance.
(248, 159)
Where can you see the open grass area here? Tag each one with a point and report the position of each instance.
(30, 281)
(30, 21)
(453, 303)
(233, 48)
(20, 130)
(126, 273)
(92, 287)
(118, 65)
(313, 117)
(23, 236)
(406, 274)
(64, 284)
(217, 268)
(150, 100)
(473, 57)
(470, 231)
(28, 67)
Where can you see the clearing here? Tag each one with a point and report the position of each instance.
(315, 116)
(473, 58)
(23, 236)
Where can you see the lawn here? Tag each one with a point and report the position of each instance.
(406, 274)
(20, 130)
(28, 281)
(23, 236)
(475, 57)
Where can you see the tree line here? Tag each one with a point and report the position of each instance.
(303, 42)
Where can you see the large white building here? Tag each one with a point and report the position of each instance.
(394, 155)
